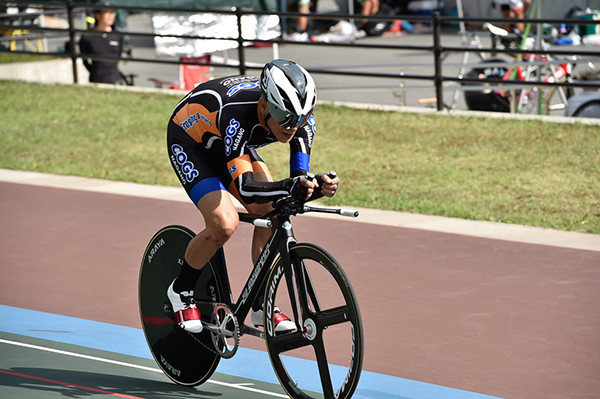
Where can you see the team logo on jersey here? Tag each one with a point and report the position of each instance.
(242, 86)
(230, 133)
(185, 169)
(310, 128)
(235, 80)
(313, 123)
(193, 119)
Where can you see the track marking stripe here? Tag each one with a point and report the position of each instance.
(131, 365)
(68, 384)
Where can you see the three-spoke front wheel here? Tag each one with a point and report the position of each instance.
(323, 357)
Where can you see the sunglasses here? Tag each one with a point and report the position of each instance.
(287, 120)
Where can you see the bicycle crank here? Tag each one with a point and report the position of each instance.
(224, 331)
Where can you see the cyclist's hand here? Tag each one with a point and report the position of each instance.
(329, 183)
(302, 187)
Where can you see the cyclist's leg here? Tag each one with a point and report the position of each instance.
(221, 220)
(261, 234)
(198, 173)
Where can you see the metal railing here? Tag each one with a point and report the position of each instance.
(437, 50)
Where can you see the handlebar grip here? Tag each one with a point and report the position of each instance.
(352, 214)
(262, 223)
(332, 174)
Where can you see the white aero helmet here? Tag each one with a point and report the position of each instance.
(290, 92)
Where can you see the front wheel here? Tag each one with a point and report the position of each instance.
(323, 358)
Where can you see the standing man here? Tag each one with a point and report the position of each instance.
(108, 43)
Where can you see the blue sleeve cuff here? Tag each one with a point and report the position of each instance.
(299, 161)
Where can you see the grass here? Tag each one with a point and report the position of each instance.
(8, 57)
(512, 171)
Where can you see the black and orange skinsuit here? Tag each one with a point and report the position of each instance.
(213, 137)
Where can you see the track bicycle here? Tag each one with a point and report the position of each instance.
(302, 279)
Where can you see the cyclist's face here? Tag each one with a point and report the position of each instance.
(282, 134)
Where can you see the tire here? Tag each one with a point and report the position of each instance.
(585, 104)
(333, 332)
(182, 356)
(553, 102)
(486, 100)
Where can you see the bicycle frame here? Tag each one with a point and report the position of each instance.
(564, 69)
(278, 244)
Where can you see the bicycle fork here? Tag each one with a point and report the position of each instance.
(284, 250)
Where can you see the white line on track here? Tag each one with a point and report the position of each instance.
(136, 366)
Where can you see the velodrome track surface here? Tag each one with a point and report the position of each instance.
(452, 309)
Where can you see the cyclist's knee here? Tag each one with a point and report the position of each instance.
(221, 228)
(220, 216)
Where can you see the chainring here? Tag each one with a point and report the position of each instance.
(226, 338)
(224, 326)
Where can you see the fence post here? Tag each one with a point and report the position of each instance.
(437, 55)
(72, 39)
(240, 40)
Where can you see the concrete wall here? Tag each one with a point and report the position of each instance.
(552, 9)
(53, 71)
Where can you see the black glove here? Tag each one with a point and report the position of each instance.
(332, 175)
(299, 187)
(317, 193)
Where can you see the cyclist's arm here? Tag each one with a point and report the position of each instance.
(301, 186)
(253, 191)
(248, 188)
(300, 147)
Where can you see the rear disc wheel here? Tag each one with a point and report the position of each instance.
(182, 356)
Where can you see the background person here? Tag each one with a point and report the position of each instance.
(301, 31)
(108, 43)
(366, 7)
(512, 9)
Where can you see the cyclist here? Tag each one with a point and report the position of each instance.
(212, 138)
